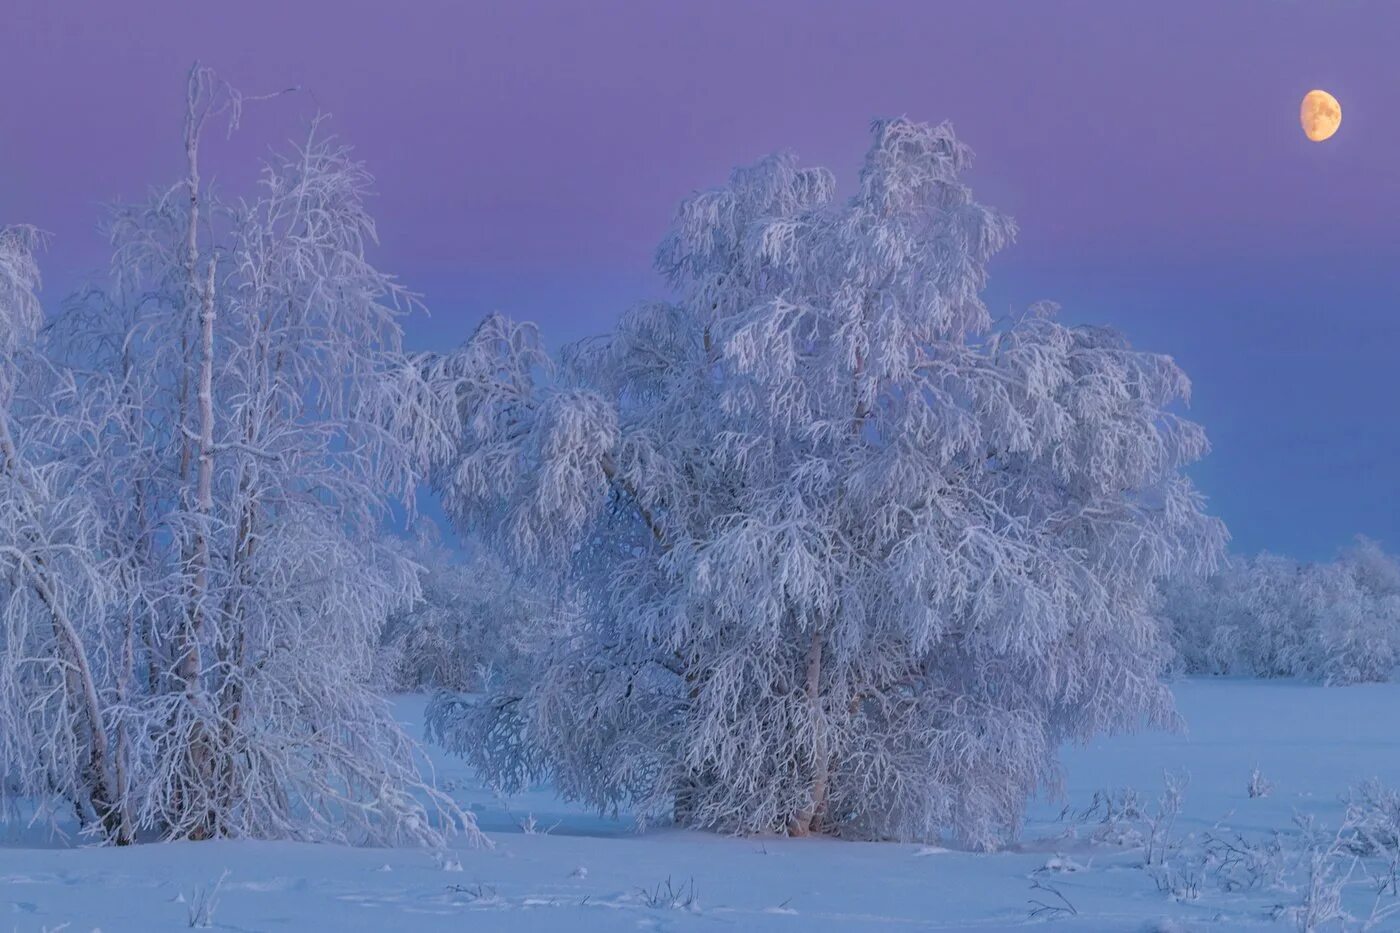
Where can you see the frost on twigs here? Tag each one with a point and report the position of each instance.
(193, 484)
(204, 901)
(1305, 874)
(1271, 616)
(473, 617)
(843, 554)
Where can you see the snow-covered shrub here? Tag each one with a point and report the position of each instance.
(470, 619)
(1047, 901)
(1259, 786)
(193, 578)
(1176, 863)
(1314, 877)
(1241, 863)
(666, 895)
(1373, 825)
(1324, 880)
(203, 903)
(851, 556)
(1113, 817)
(1271, 616)
(1161, 823)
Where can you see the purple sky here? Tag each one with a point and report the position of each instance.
(529, 156)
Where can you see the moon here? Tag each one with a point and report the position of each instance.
(1320, 115)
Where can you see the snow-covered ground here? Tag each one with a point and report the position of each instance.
(576, 871)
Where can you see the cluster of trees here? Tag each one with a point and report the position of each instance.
(196, 457)
(817, 546)
(1270, 616)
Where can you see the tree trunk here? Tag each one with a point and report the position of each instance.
(189, 667)
(809, 821)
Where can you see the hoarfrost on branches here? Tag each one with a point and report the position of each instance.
(1271, 616)
(55, 740)
(473, 618)
(850, 556)
(193, 574)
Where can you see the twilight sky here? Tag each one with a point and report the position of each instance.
(529, 156)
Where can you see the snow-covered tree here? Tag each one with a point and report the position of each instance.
(1246, 618)
(473, 618)
(54, 721)
(239, 416)
(1271, 616)
(850, 556)
(1359, 615)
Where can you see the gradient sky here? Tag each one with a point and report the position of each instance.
(529, 156)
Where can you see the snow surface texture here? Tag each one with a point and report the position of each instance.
(554, 867)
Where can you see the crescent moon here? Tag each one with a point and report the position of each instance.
(1320, 115)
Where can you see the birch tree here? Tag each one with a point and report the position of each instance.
(53, 724)
(238, 417)
(852, 557)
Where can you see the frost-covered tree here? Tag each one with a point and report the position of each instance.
(239, 416)
(1245, 618)
(1360, 615)
(473, 619)
(54, 720)
(1271, 616)
(851, 557)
